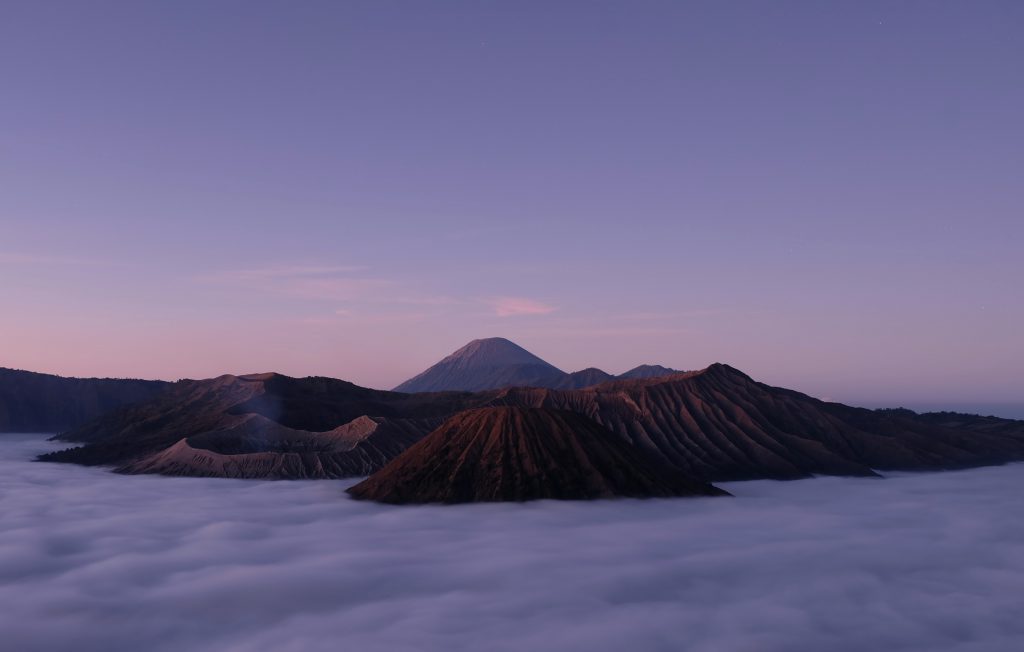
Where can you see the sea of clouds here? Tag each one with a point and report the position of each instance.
(90, 560)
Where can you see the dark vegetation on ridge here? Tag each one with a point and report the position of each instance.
(33, 402)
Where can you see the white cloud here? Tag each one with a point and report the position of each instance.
(515, 306)
(91, 560)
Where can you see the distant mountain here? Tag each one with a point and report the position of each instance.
(517, 454)
(648, 371)
(584, 378)
(495, 363)
(486, 364)
(32, 402)
(715, 424)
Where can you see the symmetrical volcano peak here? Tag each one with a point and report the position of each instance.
(494, 351)
(485, 364)
(496, 363)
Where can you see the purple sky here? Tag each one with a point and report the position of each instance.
(827, 196)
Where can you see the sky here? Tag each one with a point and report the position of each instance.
(825, 195)
(95, 561)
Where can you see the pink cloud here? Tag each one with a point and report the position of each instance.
(514, 306)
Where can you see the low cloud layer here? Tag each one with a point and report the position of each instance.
(94, 561)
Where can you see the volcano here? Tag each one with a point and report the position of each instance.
(716, 424)
(497, 363)
(489, 363)
(519, 454)
(261, 426)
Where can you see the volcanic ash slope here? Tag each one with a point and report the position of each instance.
(518, 454)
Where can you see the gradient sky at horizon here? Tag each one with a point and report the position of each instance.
(825, 195)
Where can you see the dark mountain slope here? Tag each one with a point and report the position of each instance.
(647, 371)
(967, 422)
(516, 454)
(719, 424)
(261, 425)
(584, 378)
(259, 448)
(31, 402)
(715, 424)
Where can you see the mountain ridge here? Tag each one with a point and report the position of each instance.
(714, 424)
(37, 402)
(496, 363)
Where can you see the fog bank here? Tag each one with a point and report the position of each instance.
(90, 560)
